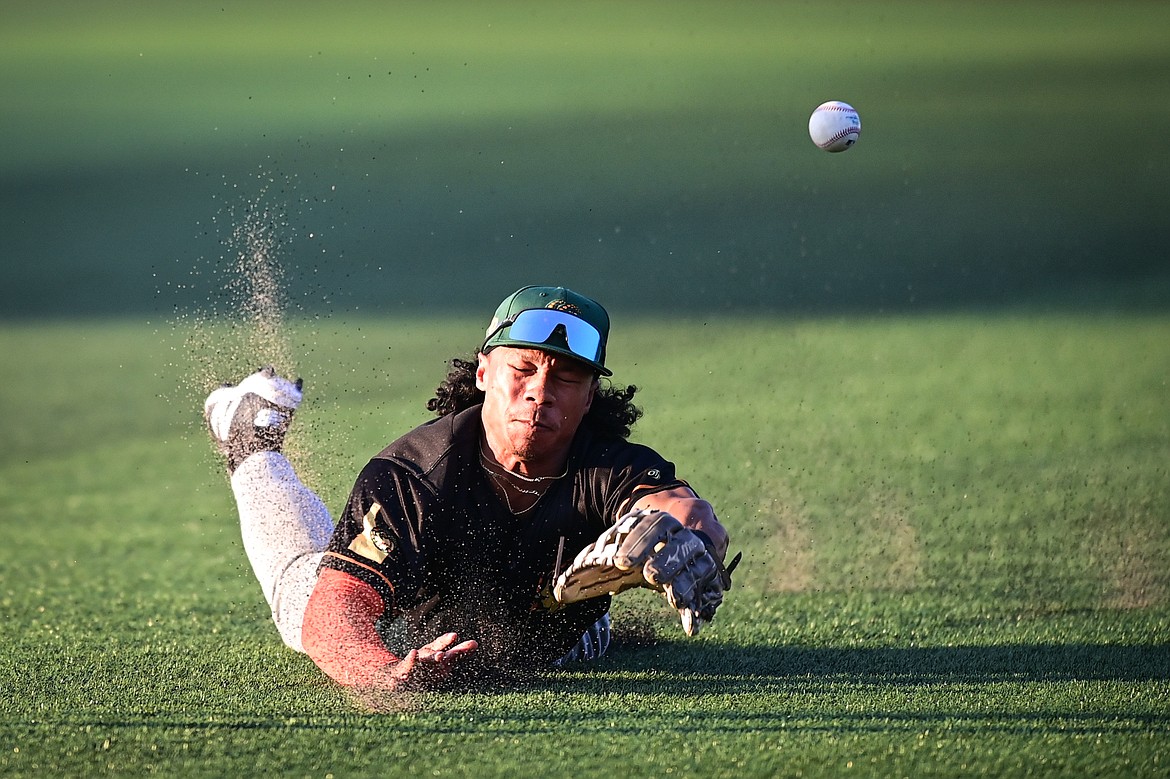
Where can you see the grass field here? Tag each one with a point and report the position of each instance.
(955, 531)
(924, 382)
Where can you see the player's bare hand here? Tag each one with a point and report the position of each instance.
(444, 651)
(429, 664)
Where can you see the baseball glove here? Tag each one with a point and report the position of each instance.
(650, 549)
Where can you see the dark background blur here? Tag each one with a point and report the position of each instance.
(656, 156)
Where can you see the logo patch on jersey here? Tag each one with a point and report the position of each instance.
(373, 543)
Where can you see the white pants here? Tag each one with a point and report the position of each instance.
(285, 529)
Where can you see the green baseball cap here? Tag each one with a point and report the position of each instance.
(552, 319)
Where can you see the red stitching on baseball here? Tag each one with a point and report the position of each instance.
(840, 134)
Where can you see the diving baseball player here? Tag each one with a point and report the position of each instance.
(490, 539)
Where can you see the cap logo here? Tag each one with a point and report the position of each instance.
(566, 306)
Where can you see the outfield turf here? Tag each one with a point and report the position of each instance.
(924, 382)
(956, 561)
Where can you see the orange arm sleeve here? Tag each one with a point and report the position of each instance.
(339, 634)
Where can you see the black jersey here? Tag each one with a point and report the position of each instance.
(424, 527)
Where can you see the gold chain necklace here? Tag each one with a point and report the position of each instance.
(503, 478)
(503, 492)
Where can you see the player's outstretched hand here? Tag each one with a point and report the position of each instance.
(424, 667)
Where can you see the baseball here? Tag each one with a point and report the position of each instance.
(834, 126)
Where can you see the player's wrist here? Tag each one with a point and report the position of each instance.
(716, 552)
(387, 676)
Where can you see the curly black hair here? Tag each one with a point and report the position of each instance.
(612, 414)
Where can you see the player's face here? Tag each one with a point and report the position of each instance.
(534, 402)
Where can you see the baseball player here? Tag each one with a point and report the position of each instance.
(487, 540)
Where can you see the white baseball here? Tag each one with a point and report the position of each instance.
(834, 126)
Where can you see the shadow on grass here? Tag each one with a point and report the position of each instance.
(746, 668)
(836, 691)
(819, 689)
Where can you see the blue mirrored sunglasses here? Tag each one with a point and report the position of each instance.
(537, 325)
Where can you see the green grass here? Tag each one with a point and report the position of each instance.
(955, 535)
(924, 382)
(1008, 154)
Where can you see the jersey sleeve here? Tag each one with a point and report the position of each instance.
(622, 473)
(377, 537)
